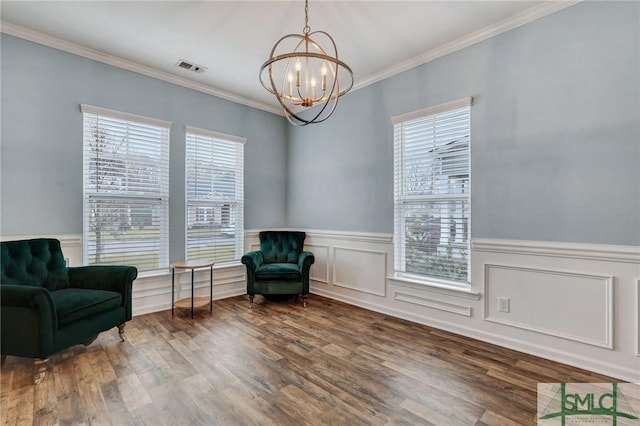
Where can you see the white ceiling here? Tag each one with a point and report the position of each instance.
(233, 38)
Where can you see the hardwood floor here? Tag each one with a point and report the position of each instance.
(281, 364)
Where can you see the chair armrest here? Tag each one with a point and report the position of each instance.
(252, 260)
(305, 261)
(112, 278)
(29, 321)
(26, 296)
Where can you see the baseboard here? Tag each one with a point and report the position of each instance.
(515, 344)
(165, 306)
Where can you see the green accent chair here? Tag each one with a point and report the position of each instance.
(280, 267)
(47, 307)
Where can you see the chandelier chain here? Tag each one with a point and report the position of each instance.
(306, 18)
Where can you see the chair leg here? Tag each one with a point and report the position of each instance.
(41, 366)
(251, 296)
(304, 300)
(121, 331)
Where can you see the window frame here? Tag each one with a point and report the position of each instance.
(161, 197)
(400, 199)
(237, 204)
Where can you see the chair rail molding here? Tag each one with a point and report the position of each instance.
(69, 240)
(367, 237)
(602, 252)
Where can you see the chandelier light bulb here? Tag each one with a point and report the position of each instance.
(324, 77)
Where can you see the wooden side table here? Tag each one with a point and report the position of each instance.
(193, 302)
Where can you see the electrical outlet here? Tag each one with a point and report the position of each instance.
(503, 304)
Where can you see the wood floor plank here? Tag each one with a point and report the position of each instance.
(19, 407)
(67, 393)
(45, 409)
(281, 364)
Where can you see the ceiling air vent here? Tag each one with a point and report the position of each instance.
(190, 66)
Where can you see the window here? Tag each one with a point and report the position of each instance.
(215, 195)
(126, 189)
(432, 192)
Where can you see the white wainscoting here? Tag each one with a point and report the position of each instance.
(360, 270)
(319, 272)
(540, 298)
(152, 293)
(574, 303)
(411, 294)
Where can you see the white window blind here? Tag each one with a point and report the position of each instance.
(432, 193)
(126, 189)
(215, 195)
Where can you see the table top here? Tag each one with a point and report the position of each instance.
(192, 264)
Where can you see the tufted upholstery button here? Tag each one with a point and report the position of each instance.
(281, 246)
(30, 263)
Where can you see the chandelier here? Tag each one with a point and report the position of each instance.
(309, 79)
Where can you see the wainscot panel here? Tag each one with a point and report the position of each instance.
(319, 272)
(538, 299)
(360, 270)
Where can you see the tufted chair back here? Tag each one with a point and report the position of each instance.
(38, 262)
(281, 246)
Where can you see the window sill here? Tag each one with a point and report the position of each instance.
(436, 287)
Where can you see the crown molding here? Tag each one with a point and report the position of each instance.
(76, 49)
(485, 33)
(500, 27)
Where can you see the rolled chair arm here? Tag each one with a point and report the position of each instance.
(26, 296)
(252, 260)
(305, 261)
(32, 311)
(111, 278)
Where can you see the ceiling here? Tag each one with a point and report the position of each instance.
(233, 38)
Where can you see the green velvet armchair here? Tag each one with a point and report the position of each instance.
(47, 307)
(280, 267)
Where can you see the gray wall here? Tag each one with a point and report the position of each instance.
(41, 148)
(555, 134)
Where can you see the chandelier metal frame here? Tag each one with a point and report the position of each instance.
(297, 63)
